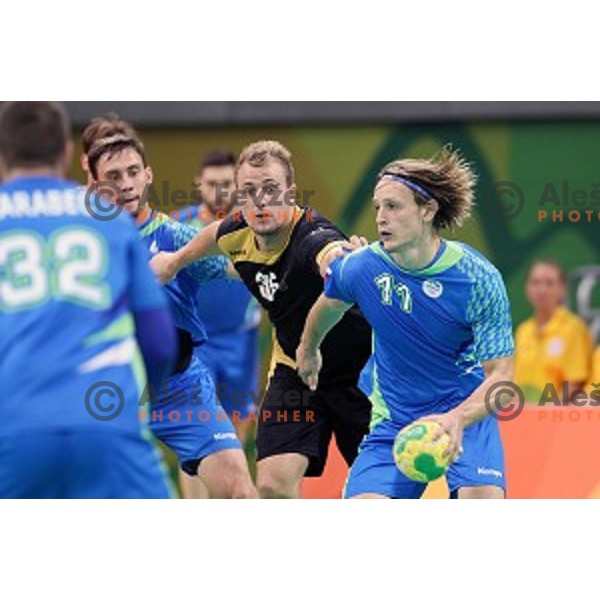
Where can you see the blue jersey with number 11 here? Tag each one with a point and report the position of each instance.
(432, 328)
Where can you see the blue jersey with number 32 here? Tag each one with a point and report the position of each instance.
(69, 285)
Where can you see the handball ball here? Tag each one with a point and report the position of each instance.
(417, 456)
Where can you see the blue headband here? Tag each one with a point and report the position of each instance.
(409, 184)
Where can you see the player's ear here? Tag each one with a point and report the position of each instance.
(67, 157)
(430, 210)
(150, 174)
(291, 196)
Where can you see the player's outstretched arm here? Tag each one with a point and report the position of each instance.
(323, 317)
(166, 265)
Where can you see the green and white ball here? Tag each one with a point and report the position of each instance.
(417, 455)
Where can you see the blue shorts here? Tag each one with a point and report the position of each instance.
(233, 360)
(375, 472)
(80, 465)
(186, 417)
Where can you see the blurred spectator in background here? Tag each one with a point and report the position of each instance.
(594, 382)
(554, 346)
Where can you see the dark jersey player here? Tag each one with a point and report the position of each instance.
(281, 251)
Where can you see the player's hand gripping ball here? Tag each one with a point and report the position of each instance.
(418, 456)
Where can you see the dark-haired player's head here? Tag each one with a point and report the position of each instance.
(265, 173)
(35, 137)
(546, 287)
(215, 178)
(416, 198)
(121, 161)
(108, 126)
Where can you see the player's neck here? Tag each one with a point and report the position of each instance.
(416, 256)
(144, 215)
(19, 173)
(273, 241)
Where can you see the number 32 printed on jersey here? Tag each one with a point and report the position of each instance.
(70, 266)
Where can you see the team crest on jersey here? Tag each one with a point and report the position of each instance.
(556, 347)
(432, 288)
(267, 285)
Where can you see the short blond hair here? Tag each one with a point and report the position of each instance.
(446, 178)
(258, 153)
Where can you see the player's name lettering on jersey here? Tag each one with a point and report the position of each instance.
(51, 203)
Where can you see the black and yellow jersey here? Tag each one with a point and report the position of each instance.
(287, 283)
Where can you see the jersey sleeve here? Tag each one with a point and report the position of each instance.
(337, 285)
(317, 241)
(144, 291)
(205, 269)
(489, 315)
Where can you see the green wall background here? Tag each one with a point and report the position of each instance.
(340, 164)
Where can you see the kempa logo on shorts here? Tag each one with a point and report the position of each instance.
(219, 437)
(493, 472)
(433, 289)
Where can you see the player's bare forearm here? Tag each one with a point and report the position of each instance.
(323, 317)
(474, 408)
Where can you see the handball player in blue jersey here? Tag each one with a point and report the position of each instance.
(442, 330)
(77, 305)
(184, 412)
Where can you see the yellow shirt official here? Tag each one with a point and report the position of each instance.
(560, 352)
(594, 382)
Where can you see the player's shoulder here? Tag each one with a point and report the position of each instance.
(154, 225)
(161, 221)
(355, 263)
(309, 221)
(472, 262)
(232, 224)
